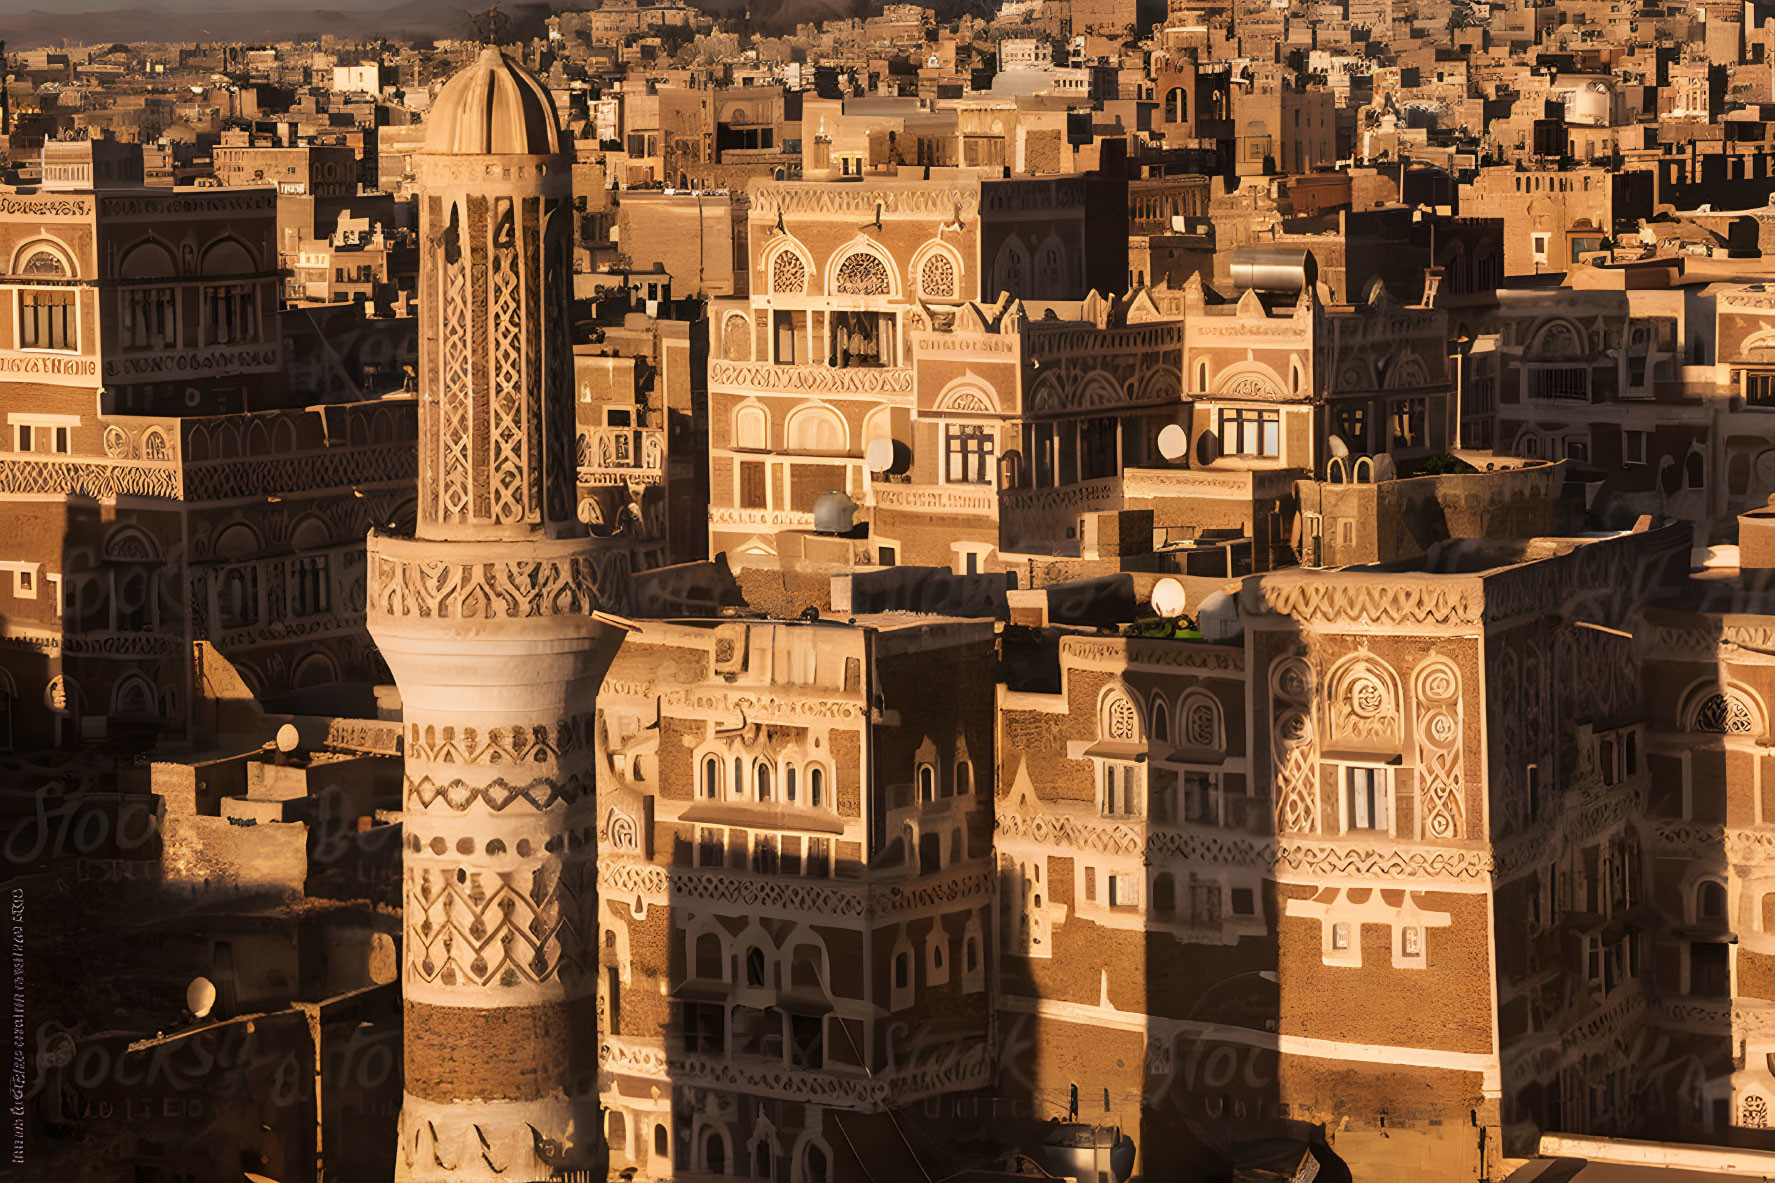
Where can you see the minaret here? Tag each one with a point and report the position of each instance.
(484, 617)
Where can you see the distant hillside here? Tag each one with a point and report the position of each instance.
(170, 20)
(416, 19)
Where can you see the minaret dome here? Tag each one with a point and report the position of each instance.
(493, 108)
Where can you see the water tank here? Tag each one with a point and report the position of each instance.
(1274, 268)
(1217, 617)
(833, 513)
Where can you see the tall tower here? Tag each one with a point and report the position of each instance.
(484, 618)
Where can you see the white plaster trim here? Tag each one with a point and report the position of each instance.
(1109, 1017)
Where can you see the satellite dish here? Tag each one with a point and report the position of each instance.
(879, 455)
(1173, 442)
(1207, 448)
(200, 996)
(1384, 468)
(287, 738)
(1338, 447)
(1168, 598)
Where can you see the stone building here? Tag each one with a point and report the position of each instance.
(848, 284)
(160, 487)
(1215, 856)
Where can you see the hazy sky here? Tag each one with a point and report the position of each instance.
(15, 7)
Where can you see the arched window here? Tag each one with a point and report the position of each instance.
(1724, 714)
(927, 783)
(814, 1168)
(751, 428)
(738, 787)
(816, 787)
(43, 260)
(711, 777)
(1201, 721)
(708, 957)
(816, 429)
(147, 260)
(788, 274)
(755, 966)
(971, 955)
(1120, 720)
(936, 277)
(715, 1153)
(964, 778)
(862, 274)
(763, 774)
(1159, 712)
(789, 783)
(1176, 105)
(1164, 894)
(761, 1161)
(902, 970)
(1694, 472)
(1710, 900)
(661, 1141)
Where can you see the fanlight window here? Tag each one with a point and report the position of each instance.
(788, 274)
(862, 274)
(1201, 722)
(936, 279)
(1725, 714)
(1120, 720)
(44, 262)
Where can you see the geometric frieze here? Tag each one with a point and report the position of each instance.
(785, 380)
(957, 201)
(1365, 602)
(519, 743)
(1400, 862)
(782, 896)
(495, 795)
(529, 927)
(511, 586)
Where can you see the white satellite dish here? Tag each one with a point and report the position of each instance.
(1338, 447)
(879, 455)
(288, 739)
(1384, 468)
(200, 996)
(1168, 598)
(1173, 442)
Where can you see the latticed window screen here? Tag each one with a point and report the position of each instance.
(863, 274)
(1724, 714)
(788, 273)
(1120, 721)
(936, 279)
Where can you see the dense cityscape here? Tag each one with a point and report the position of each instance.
(852, 594)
